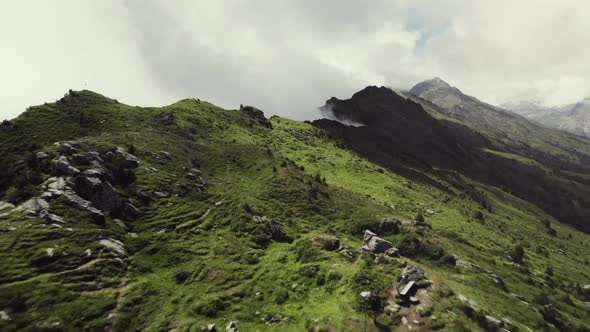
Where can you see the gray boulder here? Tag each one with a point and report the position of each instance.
(374, 244)
(51, 218)
(232, 327)
(42, 155)
(61, 165)
(6, 205)
(494, 321)
(129, 160)
(64, 147)
(32, 207)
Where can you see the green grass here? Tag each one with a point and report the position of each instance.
(188, 267)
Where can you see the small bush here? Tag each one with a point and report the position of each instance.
(211, 308)
(281, 296)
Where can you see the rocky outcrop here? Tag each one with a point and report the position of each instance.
(33, 207)
(129, 160)
(372, 244)
(409, 278)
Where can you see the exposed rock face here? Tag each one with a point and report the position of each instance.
(115, 245)
(91, 190)
(6, 205)
(65, 147)
(129, 160)
(61, 165)
(32, 207)
(374, 244)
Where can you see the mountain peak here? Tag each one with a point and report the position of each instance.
(431, 85)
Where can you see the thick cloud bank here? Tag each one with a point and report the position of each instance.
(288, 56)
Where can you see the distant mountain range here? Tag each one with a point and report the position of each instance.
(574, 118)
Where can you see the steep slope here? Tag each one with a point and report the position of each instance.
(399, 134)
(574, 118)
(240, 218)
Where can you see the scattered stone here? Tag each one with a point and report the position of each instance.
(209, 328)
(392, 308)
(276, 320)
(6, 205)
(42, 155)
(369, 298)
(4, 315)
(32, 207)
(494, 321)
(88, 252)
(162, 194)
(232, 327)
(49, 251)
(115, 245)
(463, 264)
(404, 320)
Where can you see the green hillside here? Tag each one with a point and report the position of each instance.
(200, 215)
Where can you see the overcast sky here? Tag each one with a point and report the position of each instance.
(288, 57)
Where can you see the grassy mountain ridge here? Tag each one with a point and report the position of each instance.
(205, 249)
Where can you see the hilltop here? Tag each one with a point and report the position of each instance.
(115, 217)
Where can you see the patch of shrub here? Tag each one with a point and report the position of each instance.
(281, 296)
(211, 308)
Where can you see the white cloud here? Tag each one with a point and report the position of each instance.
(288, 56)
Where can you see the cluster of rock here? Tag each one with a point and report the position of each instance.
(372, 244)
(408, 284)
(89, 190)
(231, 327)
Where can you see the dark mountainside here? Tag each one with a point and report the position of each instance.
(574, 118)
(399, 133)
(190, 217)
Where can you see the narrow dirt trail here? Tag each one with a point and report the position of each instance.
(121, 291)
